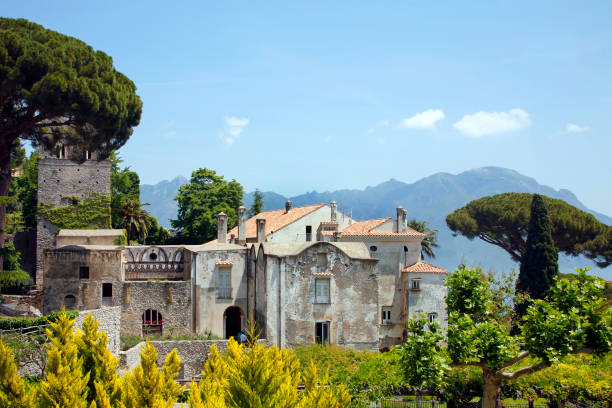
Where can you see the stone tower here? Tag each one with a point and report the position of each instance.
(60, 180)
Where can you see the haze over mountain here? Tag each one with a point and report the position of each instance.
(430, 199)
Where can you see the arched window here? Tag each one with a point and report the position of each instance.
(151, 322)
(69, 301)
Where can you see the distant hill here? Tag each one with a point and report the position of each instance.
(431, 199)
(161, 197)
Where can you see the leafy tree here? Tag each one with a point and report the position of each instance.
(12, 387)
(431, 237)
(136, 220)
(27, 193)
(423, 361)
(54, 86)
(257, 203)
(199, 203)
(157, 235)
(146, 386)
(573, 319)
(539, 265)
(125, 187)
(503, 220)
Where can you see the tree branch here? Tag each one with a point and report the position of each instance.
(468, 363)
(515, 359)
(522, 371)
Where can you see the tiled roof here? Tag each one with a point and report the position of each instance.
(364, 228)
(275, 220)
(424, 267)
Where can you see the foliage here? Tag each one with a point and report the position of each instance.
(572, 319)
(136, 220)
(257, 205)
(125, 187)
(11, 323)
(423, 361)
(12, 387)
(503, 220)
(21, 210)
(461, 385)
(147, 386)
(157, 235)
(91, 213)
(577, 378)
(539, 265)
(199, 203)
(15, 281)
(65, 383)
(130, 340)
(431, 237)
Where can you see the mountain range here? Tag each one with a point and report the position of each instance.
(430, 199)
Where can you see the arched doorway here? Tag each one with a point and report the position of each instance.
(233, 321)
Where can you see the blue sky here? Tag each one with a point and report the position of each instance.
(296, 96)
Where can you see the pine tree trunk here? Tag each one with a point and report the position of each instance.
(491, 391)
(5, 183)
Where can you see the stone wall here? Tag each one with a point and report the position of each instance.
(170, 298)
(59, 178)
(110, 322)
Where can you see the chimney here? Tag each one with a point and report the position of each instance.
(222, 228)
(334, 208)
(261, 230)
(288, 206)
(241, 225)
(402, 219)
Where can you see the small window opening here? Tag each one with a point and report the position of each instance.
(416, 284)
(321, 290)
(308, 233)
(83, 272)
(386, 315)
(322, 333)
(87, 155)
(373, 248)
(151, 322)
(69, 301)
(107, 294)
(224, 287)
(153, 256)
(405, 248)
(322, 260)
(61, 153)
(432, 317)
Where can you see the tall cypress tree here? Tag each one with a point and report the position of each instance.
(539, 264)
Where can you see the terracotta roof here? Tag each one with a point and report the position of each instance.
(275, 220)
(424, 267)
(364, 228)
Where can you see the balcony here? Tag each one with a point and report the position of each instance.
(139, 271)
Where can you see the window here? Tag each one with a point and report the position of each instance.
(322, 333)
(69, 301)
(432, 317)
(151, 322)
(416, 284)
(321, 290)
(373, 248)
(386, 315)
(224, 285)
(87, 155)
(61, 154)
(308, 233)
(107, 294)
(153, 256)
(83, 272)
(322, 260)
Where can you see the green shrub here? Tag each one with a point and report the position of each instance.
(15, 281)
(9, 323)
(130, 340)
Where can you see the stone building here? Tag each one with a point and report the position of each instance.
(65, 174)
(305, 274)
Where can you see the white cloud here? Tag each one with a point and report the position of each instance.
(423, 120)
(234, 128)
(488, 123)
(574, 128)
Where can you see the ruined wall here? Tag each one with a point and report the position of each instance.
(58, 178)
(62, 277)
(170, 298)
(353, 308)
(261, 293)
(110, 322)
(211, 302)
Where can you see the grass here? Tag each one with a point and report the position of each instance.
(130, 340)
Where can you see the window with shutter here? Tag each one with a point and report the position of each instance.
(321, 290)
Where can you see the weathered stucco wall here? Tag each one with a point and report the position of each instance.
(430, 298)
(58, 178)
(296, 231)
(170, 298)
(62, 277)
(211, 302)
(110, 322)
